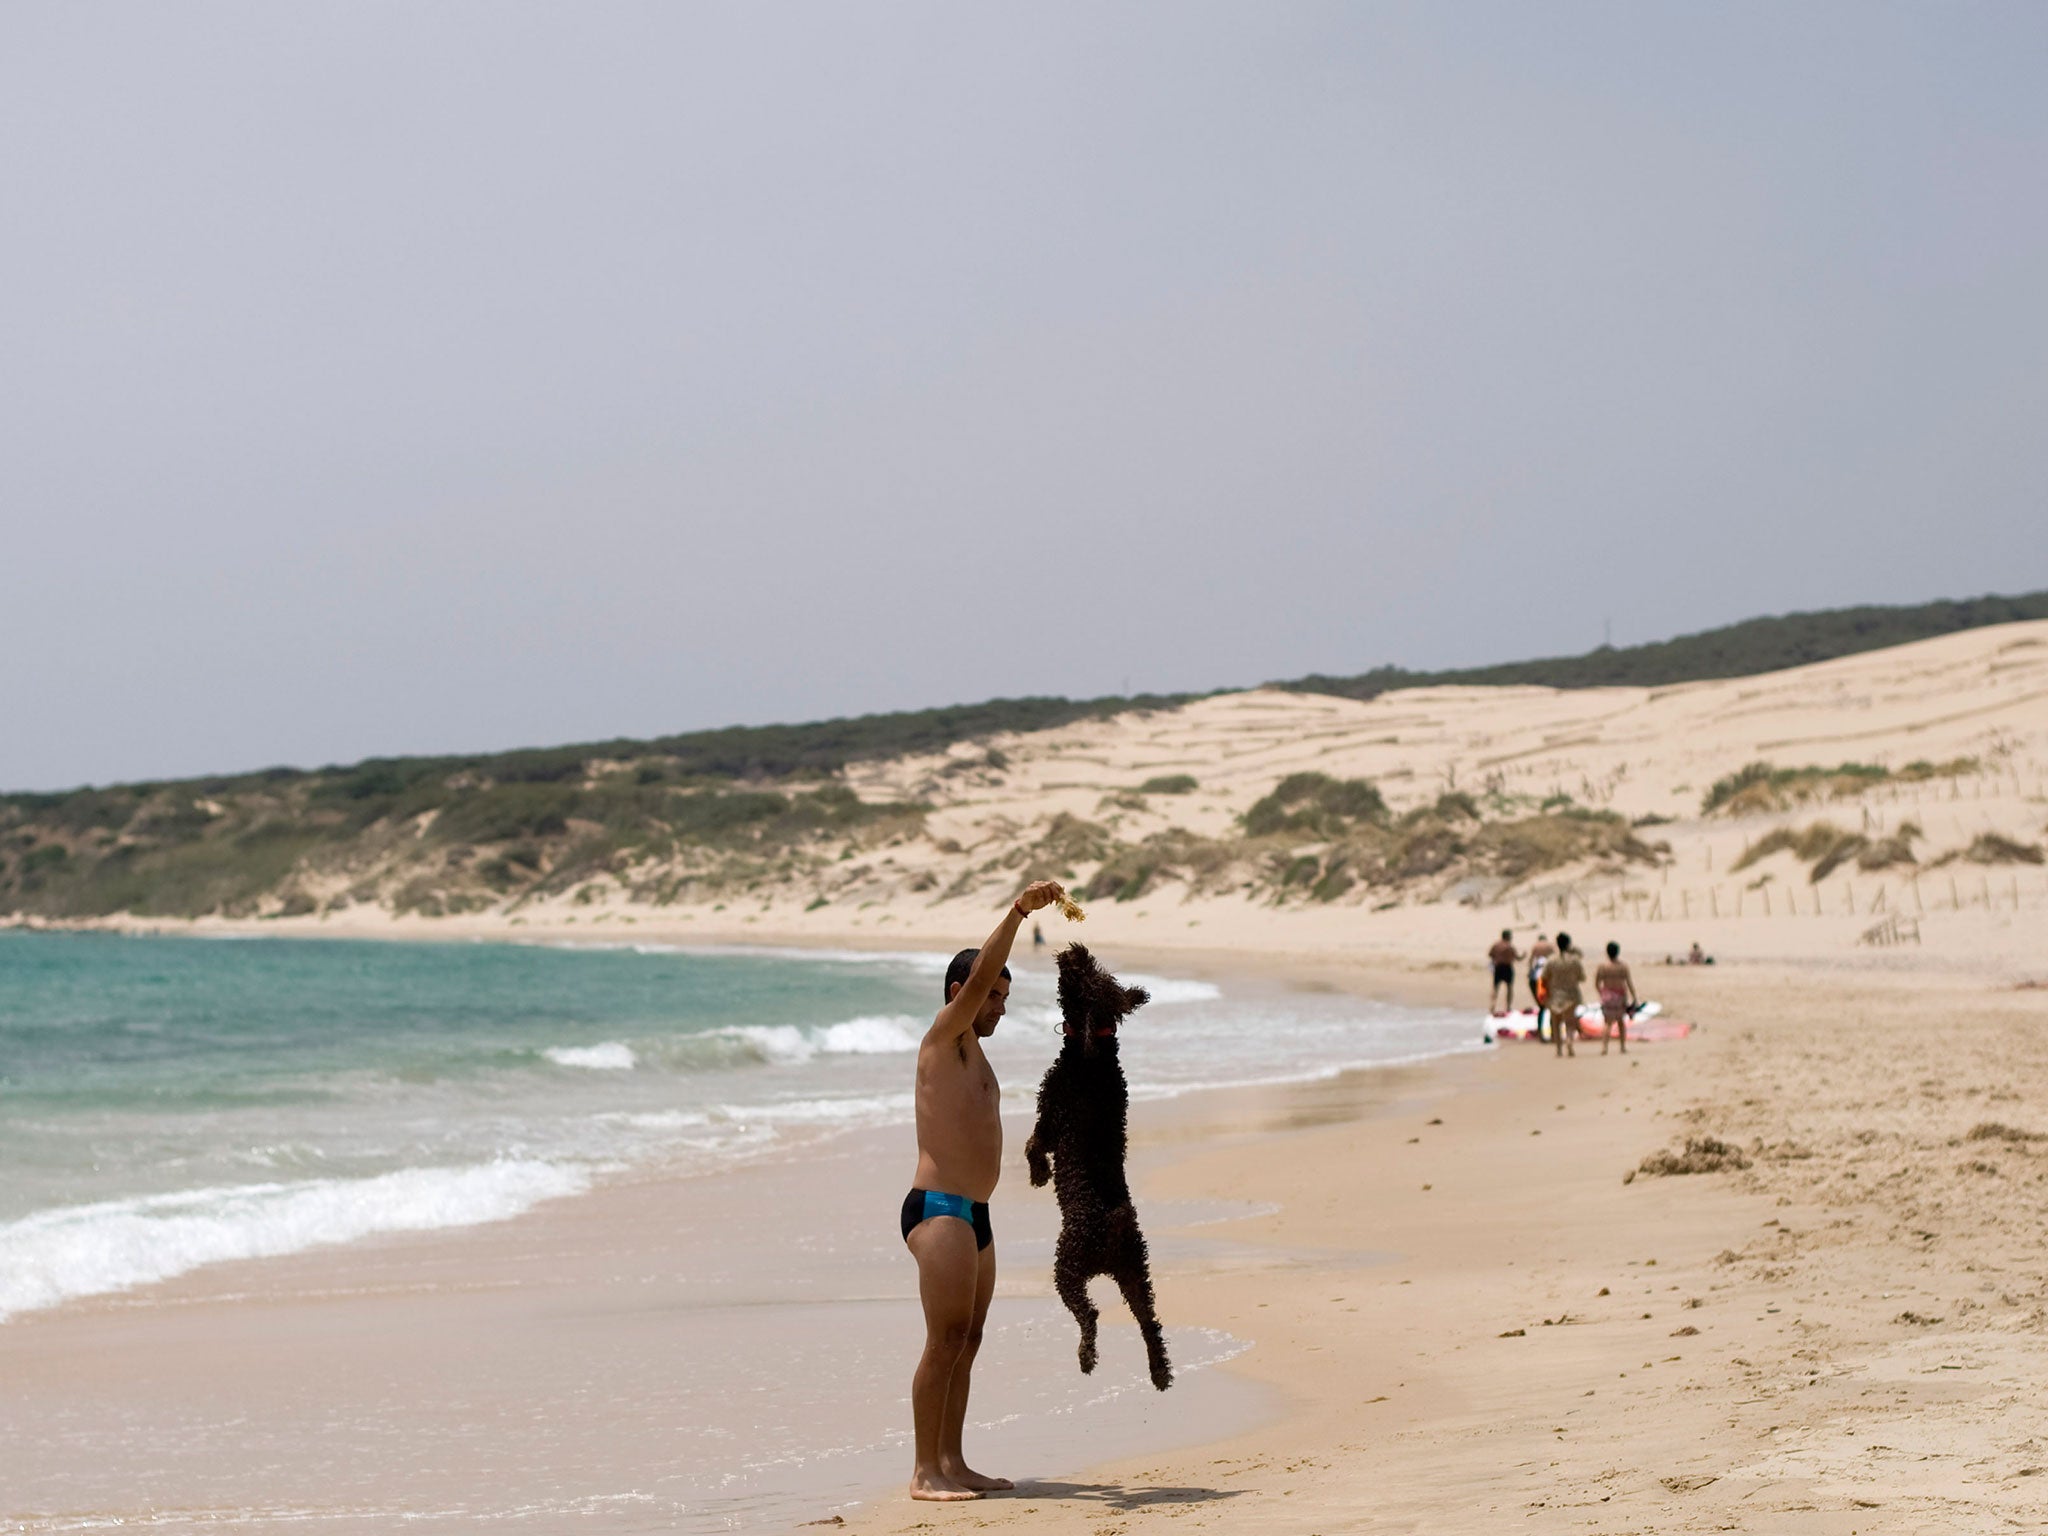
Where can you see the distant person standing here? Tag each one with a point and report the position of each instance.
(1539, 956)
(1563, 979)
(1503, 955)
(1617, 991)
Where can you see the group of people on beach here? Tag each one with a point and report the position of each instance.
(1557, 980)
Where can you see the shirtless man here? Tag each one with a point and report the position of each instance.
(945, 1217)
(1503, 955)
(1617, 991)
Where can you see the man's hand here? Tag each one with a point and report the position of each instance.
(1039, 895)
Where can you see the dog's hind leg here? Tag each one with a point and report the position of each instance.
(1134, 1279)
(1070, 1280)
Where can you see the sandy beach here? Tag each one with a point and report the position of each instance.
(1837, 1337)
(1418, 1298)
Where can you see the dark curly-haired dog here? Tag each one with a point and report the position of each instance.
(1079, 1142)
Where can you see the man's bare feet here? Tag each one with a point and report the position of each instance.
(937, 1486)
(980, 1482)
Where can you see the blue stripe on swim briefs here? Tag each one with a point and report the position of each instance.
(937, 1203)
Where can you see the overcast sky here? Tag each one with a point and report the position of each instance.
(394, 378)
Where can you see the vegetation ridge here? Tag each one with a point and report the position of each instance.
(1747, 649)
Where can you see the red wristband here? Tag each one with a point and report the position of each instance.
(1017, 907)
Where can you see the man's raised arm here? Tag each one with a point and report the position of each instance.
(964, 1006)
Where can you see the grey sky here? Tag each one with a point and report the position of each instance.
(383, 378)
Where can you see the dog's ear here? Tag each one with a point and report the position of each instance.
(1135, 998)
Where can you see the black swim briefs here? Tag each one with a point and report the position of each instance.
(921, 1205)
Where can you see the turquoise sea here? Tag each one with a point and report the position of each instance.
(167, 1103)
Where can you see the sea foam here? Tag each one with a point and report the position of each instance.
(114, 1245)
(790, 1044)
(1173, 989)
(864, 1109)
(612, 1056)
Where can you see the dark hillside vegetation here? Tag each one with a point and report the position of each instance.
(419, 844)
(1738, 650)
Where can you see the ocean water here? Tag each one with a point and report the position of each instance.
(167, 1103)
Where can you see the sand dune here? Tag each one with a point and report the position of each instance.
(1973, 705)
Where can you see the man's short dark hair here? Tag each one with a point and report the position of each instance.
(1507, 933)
(962, 964)
(1564, 941)
(1613, 950)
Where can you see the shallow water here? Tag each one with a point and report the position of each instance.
(166, 1103)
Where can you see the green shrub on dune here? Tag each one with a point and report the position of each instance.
(503, 813)
(1827, 848)
(1315, 804)
(1761, 787)
(1992, 848)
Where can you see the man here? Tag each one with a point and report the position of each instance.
(1563, 978)
(945, 1217)
(1503, 955)
(1617, 991)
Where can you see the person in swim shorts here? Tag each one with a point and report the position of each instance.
(945, 1216)
(1503, 955)
(1617, 991)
